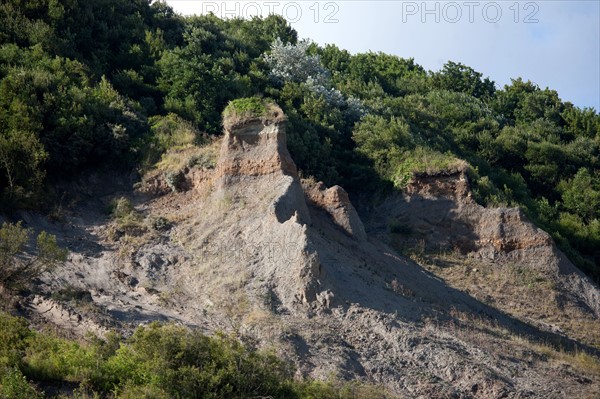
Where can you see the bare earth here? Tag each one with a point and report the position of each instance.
(433, 296)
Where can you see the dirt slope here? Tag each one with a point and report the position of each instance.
(494, 254)
(249, 248)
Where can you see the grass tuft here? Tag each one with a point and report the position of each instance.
(245, 110)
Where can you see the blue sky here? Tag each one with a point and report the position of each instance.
(555, 44)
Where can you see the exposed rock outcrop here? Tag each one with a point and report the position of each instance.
(336, 203)
(257, 184)
(438, 210)
(254, 149)
(249, 250)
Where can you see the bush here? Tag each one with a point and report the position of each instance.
(14, 385)
(158, 361)
(176, 180)
(16, 268)
(170, 132)
(161, 224)
(290, 62)
(48, 358)
(128, 220)
(13, 335)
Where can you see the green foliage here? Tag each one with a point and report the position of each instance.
(127, 219)
(246, 108)
(396, 76)
(581, 195)
(53, 120)
(220, 61)
(383, 140)
(121, 208)
(13, 334)
(463, 79)
(187, 364)
(14, 385)
(169, 132)
(158, 361)
(175, 180)
(423, 160)
(49, 358)
(17, 269)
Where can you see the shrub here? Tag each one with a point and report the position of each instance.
(176, 180)
(121, 207)
(290, 62)
(170, 132)
(14, 385)
(158, 361)
(128, 220)
(204, 160)
(161, 224)
(13, 335)
(49, 358)
(16, 268)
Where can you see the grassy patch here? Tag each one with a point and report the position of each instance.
(243, 110)
(178, 159)
(423, 160)
(170, 132)
(518, 290)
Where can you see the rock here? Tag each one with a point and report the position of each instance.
(335, 201)
(292, 267)
(440, 211)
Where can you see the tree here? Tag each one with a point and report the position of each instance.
(397, 76)
(582, 122)
(219, 62)
(581, 195)
(17, 268)
(464, 79)
(21, 175)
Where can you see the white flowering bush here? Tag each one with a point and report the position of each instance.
(291, 63)
(333, 96)
(355, 108)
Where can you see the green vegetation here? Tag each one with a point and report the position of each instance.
(244, 110)
(128, 221)
(157, 361)
(169, 132)
(16, 269)
(151, 81)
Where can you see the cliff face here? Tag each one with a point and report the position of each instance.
(439, 212)
(255, 219)
(251, 249)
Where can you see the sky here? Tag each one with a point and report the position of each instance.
(553, 43)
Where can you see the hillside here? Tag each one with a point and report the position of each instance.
(285, 263)
(423, 234)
